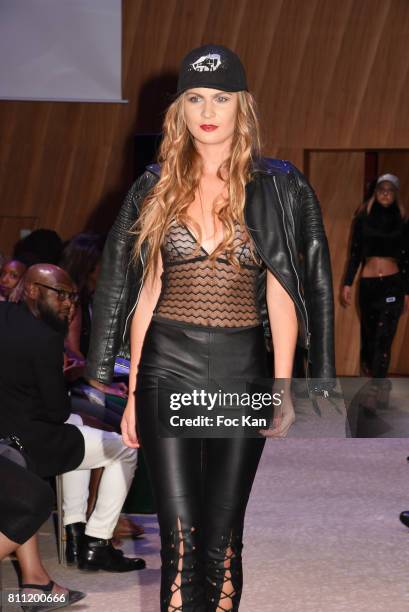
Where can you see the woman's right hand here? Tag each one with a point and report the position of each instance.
(128, 425)
(284, 417)
(346, 295)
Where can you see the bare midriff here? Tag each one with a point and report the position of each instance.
(379, 266)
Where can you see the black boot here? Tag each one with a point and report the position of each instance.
(99, 554)
(75, 535)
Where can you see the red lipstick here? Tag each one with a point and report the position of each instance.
(208, 128)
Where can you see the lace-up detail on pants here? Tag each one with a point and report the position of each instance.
(224, 575)
(184, 572)
(182, 589)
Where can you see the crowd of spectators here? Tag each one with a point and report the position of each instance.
(43, 255)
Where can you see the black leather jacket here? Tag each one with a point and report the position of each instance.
(283, 217)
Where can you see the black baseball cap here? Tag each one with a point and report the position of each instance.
(212, 66)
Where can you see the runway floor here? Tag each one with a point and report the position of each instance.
(322, 535)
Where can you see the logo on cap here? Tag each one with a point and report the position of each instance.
(207, 63)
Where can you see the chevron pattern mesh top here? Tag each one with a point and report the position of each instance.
(199, 291)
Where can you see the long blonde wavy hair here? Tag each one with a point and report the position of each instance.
(181, 168)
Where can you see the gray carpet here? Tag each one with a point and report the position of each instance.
(322, 535)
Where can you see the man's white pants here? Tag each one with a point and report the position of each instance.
(102, 449)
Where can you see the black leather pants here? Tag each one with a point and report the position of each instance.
(381, 304)
(201, 486)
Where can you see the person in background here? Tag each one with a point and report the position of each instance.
(40, 246)
(35, 407)
(81, 259)
(26, 503)
(10, 275)
(379, 245)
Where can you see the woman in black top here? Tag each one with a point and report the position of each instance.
(379, 243)
(198, 320)
(197, 326)
(206, 280)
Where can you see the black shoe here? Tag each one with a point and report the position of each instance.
(75, 536)
(99, 554)
(404, 518)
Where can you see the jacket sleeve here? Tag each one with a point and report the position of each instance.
(318, 292)
(355, 251)
(111, 295)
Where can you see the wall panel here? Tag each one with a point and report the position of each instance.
(338, 178)
(326, 74)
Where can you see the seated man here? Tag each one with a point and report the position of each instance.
(35, 406)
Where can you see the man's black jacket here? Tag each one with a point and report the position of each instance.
(34, 403)
(283, 217)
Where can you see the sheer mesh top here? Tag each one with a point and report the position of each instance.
(199, 291)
